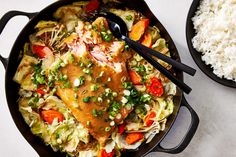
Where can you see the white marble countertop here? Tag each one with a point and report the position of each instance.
(214, 103)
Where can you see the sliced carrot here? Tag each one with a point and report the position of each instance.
(134, 137)
(147, 40)
(92, 6)
(135, 78)
(103, 153)
(50, 115)
(138, 29)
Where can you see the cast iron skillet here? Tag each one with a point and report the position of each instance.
(12, 88)
(190, 33)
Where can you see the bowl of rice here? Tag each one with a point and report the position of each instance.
(211, 38)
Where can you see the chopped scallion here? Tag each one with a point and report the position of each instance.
(86, 99)
(87, 71)
(88, 123)
(90, 64)
(100, 99)
(107, 129)
(94, 88)
(129, 17)
(76, 96)
(94, 113)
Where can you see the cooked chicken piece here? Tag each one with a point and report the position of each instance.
(105, 75)
(91, 107)
(87, 112)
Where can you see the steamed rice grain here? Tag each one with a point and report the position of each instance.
(215, 25)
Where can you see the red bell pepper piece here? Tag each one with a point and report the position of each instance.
(41, 51)
(103, 153)
(40, 90)
(92, 6)
(147, 40)
(135, 78)
(134, 137)
(121, 128)
(50, 115)
(155, 86)
(148, 120)
(138, 29)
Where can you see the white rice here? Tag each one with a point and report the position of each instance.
(215, 25)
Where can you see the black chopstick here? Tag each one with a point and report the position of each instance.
(159, 55)
(157, 65)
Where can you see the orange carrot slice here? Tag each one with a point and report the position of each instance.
(138, 29)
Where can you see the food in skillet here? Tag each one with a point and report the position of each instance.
(86, 93)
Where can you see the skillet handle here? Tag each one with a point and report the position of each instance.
(4, 20)
(4, 61)
(189, 135)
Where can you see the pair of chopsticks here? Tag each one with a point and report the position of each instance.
(146, 53)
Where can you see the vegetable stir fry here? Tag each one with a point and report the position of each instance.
(86, 93)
